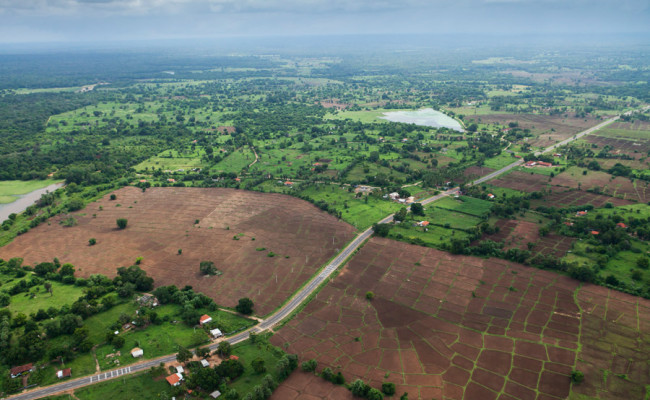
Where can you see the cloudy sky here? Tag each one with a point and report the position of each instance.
(108, 20)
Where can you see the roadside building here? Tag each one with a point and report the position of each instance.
(216, 333)
(205, 319)
(205, 363)
(174, 379)
(21, 369)
(64, 373)
(137, 352)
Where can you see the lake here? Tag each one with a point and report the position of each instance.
(424, 117)
(25, 200)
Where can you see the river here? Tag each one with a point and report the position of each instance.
(25, 200)
(424, 117)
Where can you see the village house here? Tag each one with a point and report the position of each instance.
(423, 223)
(18, 371)
(621, 225)
(205, 363)
(64, 373)
(174, 379)
(179, 369)
(491, 196)
(137, 352)
(205, 319)
(216, 333)
(215, 394)
(581, 213)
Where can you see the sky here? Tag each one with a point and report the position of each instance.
(23, 21)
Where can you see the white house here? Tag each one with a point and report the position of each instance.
(216, 333)
(137, 352)
(180, 369)
(205, 363)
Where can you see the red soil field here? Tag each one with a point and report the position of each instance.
(517, 234)
(449, 327)
(307, 386)
(549, 129)
(162, 220)
(525, 182)
(578, 198)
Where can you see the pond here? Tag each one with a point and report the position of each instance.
(424, 117)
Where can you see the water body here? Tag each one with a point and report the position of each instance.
(25, 200)
(424, 117)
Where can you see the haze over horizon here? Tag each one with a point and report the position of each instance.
(25, 21)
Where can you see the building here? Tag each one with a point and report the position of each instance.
(64, 373)
(205, 319)
(215, 394)
(621, 225)
(233, 357)
(216, 333)
(490, 196)
(205, 363)
(288, 183)
(423, 223)
(179, 369)
(174, 379)
(22, 369)
(581, 213)
(137, 352)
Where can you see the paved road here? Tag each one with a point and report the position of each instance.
(287, 308)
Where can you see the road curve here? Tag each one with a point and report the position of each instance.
(295, 301)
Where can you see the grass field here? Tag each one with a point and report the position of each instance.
(499, 161)
(138, 387)
(10, 189)
(367, 117)
(61, 295)
(466, 205)
(247, 352)
(235, 161)
(173, 160)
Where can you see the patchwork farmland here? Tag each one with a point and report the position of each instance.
(266, 245)
(453, 327)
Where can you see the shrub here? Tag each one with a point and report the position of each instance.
(309, 366)
(388, 388)
(370, 295)
(207, 268)
(245, 306)
(92, 241)
(577, 377)
(113, 196)
(122, 222)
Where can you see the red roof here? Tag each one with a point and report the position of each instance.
(545, 164)
(20, 369)
(64, 373)
(204, 318)
(595, 232)
(233, 357)
(173, 379)
(621, 225)
(424, 223)
(288, 183)
(517, 156)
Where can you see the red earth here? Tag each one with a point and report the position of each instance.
(452, 327)
(162, 220)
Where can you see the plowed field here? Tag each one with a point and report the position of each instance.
(162, 220)
(453, 327)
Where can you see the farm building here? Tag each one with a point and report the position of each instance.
(137, 352)
(174, 379)
(205, 363)
(423, 223)
(490, 196)
(215, 394)
(621, 225)
(216, 333)
(64, 373)
(18, 371)
(205, 319)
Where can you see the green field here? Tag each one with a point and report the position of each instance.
(247, 352)
(235, 161)
(455, 220)
(38, 298)
(174, 160)
(10, 189)
(142, 386)
(466, 205)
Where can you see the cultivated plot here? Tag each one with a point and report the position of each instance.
(266, 245)
(444, 326)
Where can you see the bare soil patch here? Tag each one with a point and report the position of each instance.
(162, 220)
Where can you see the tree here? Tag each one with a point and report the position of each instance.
(370, 295)
(122, 222)
(118, 342)
(44, 268)
(643, 262)
(224, 349)
(126, 290)
(48, 287)
(92, 242)
(258, 365)
(417, 209)
(183, 354)
(400, 215)
(374, 394)
(359, 388)
(388, 388)
(405, 396)
(5, 299)
(203, 352)
(381, 230)
(207, 268)
(245, 306)
(67, 270)
(309, 366)
(577, 377)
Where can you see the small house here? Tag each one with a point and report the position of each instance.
(64, 373)
(18, 371)
(205, 363)
(544, 164)
(581, 213)
(215, 394)
(233, 357)
(172, 180)
(423, 223)
(288, 183)
(137, 352)
(216, 333)
(491, 196)
(394, 196)
(179, 369)
(595, 233)
(205, 319)
(531, 163)
(621, 225)
(174, 379)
